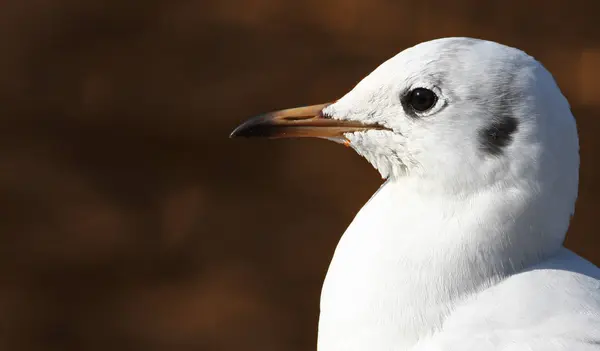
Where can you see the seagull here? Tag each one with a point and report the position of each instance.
(461, 248)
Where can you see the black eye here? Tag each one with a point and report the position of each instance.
(421, 99)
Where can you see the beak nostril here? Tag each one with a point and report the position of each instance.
(295, 118)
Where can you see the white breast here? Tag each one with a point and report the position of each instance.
(407, 261)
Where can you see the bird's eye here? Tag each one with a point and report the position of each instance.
(421, 99)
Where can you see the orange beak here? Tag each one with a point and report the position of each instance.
(308, 121)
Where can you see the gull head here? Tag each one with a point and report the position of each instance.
(458, 114)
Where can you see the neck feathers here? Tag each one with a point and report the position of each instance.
(409, 257)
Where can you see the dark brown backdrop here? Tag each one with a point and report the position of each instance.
(131, 222)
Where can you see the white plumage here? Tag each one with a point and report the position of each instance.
(462, 247)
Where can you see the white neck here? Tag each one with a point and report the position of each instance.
(410, 255)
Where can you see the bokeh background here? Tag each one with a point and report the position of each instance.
(129, 220)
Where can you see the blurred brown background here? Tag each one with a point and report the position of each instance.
(131, 222)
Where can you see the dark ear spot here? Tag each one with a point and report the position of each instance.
(498, 135)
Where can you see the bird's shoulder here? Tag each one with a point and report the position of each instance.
(554, 305)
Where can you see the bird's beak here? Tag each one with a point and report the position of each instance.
(308, 121)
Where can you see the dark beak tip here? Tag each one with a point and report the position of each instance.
(241, 130)
(261, 126)
(234, 134)
(247, 129)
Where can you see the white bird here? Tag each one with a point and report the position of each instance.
(462, 247)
